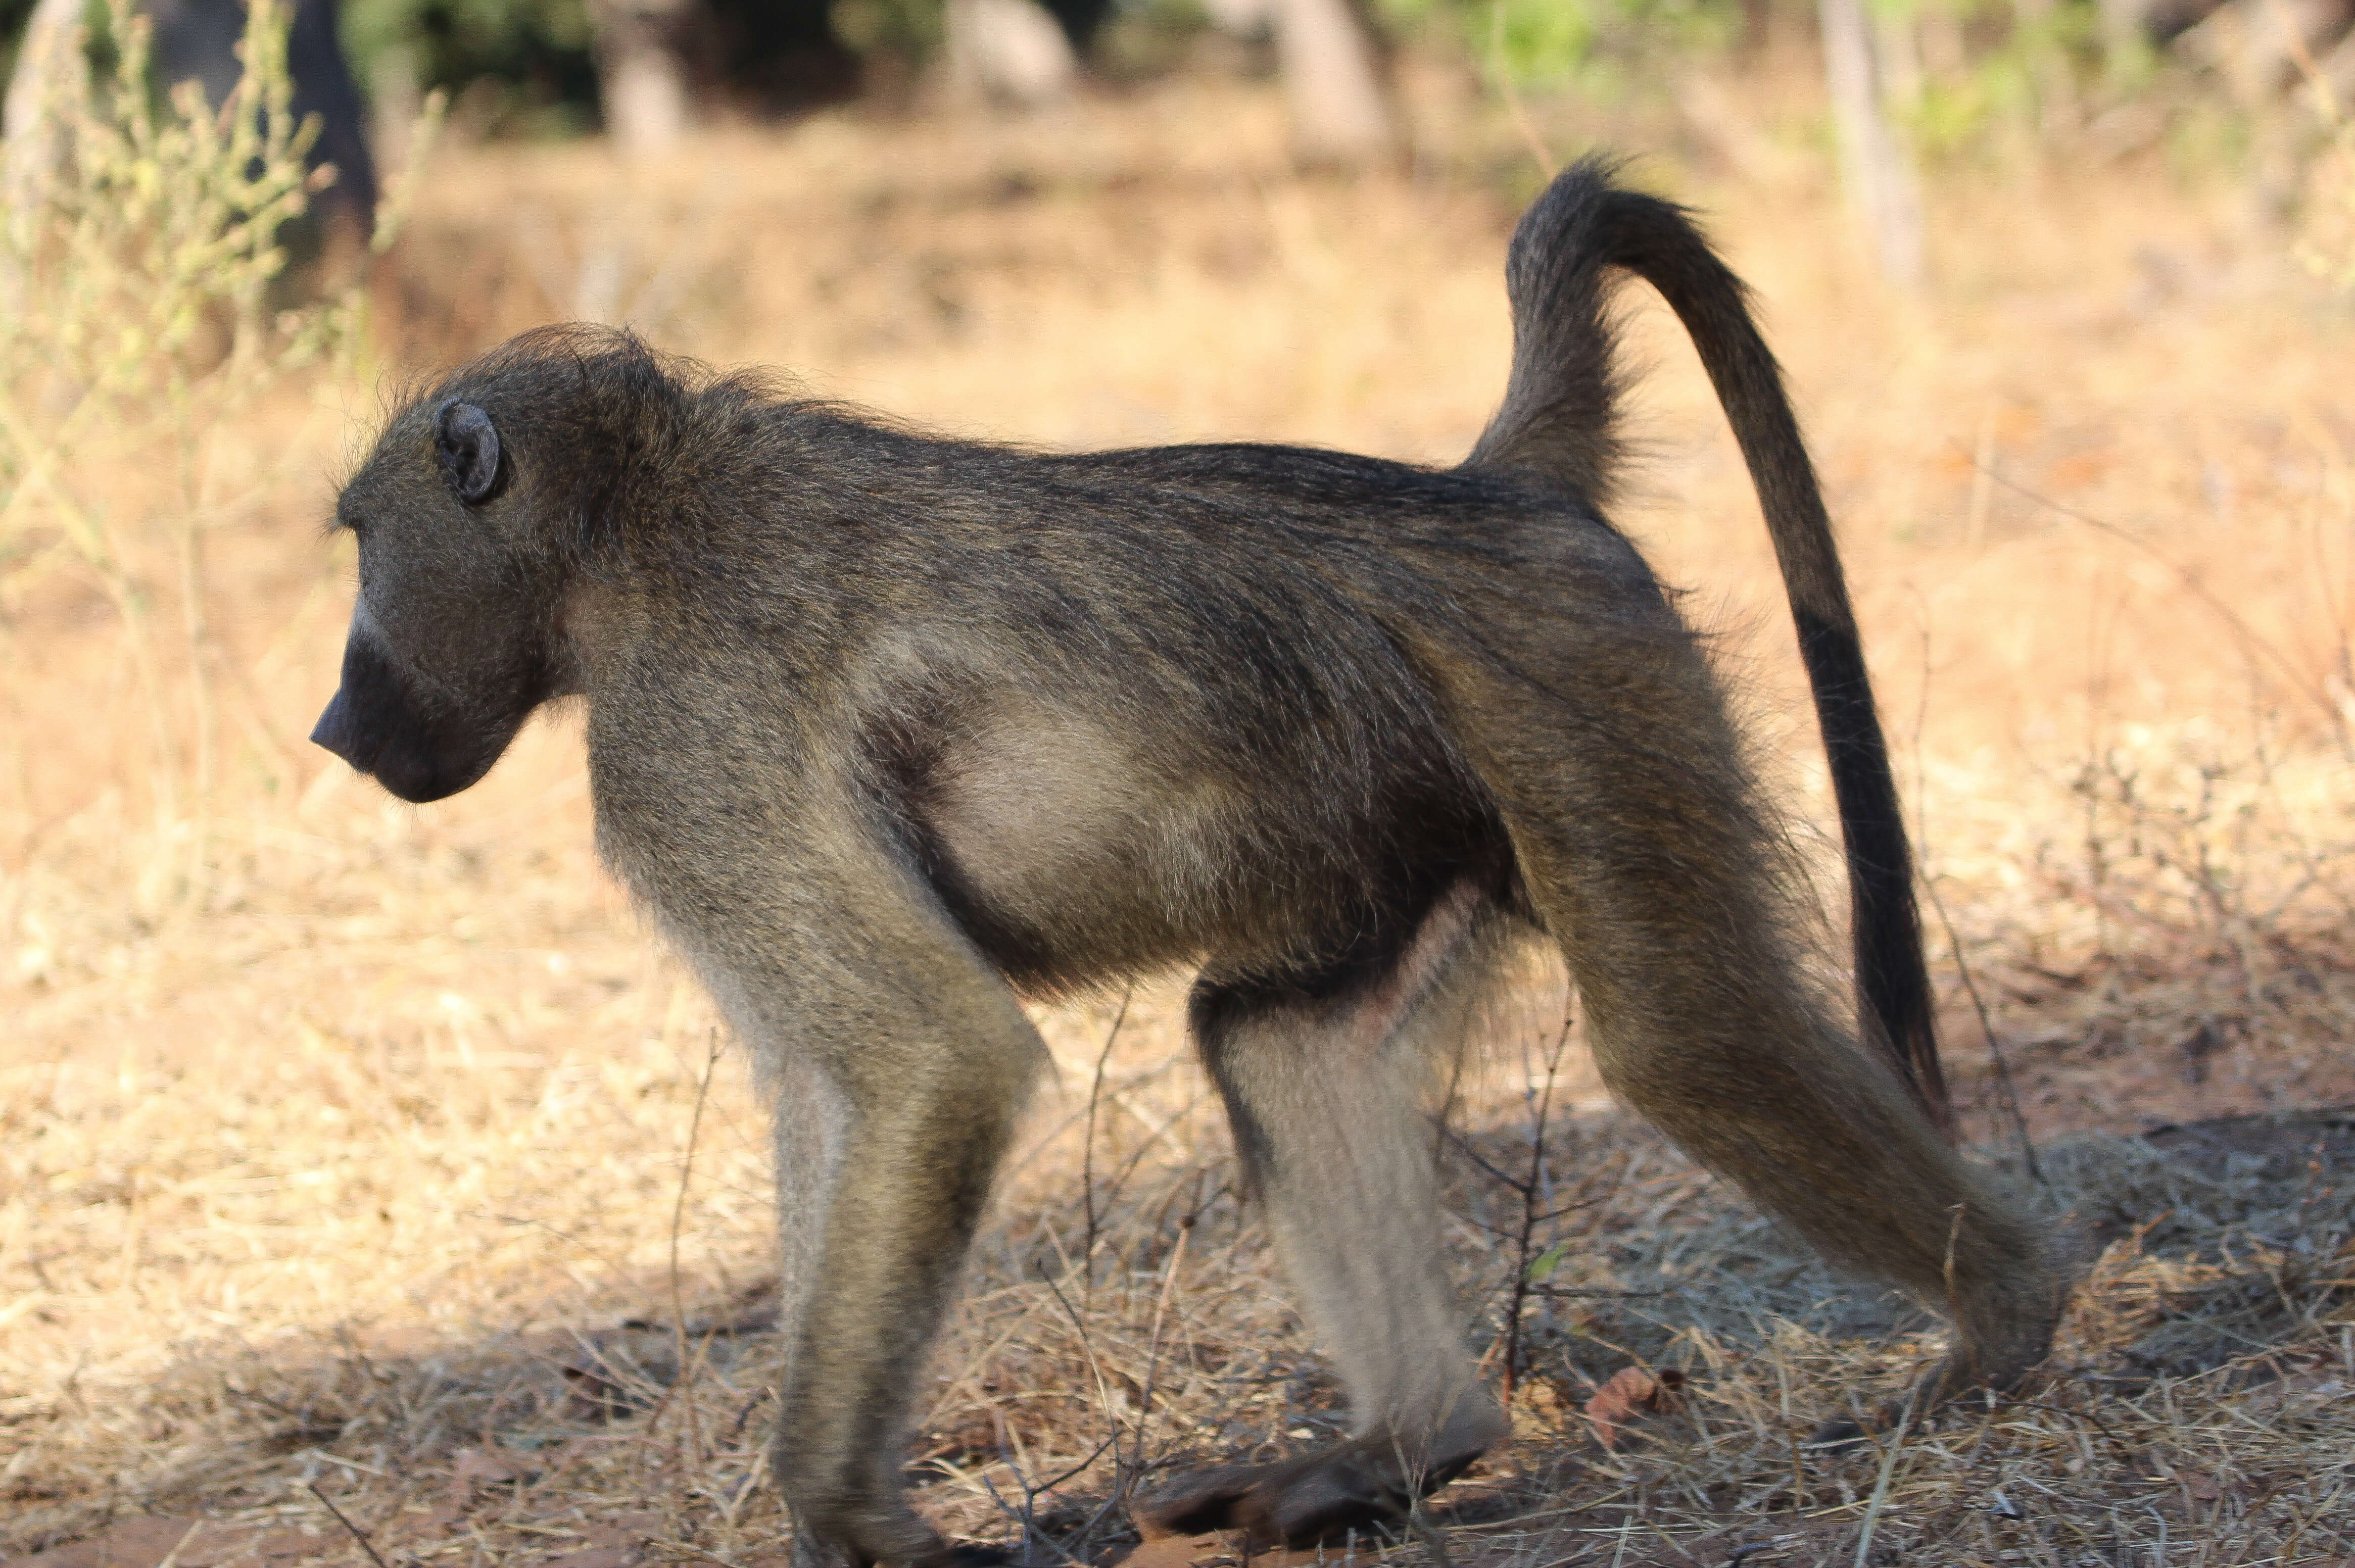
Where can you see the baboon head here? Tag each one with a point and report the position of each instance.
(452, 636)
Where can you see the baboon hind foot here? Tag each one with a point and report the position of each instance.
(1315, 1497)
(887, 1541)
(1960, 1378)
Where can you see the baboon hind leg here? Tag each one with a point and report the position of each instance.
(1644, 853)
(1327, 1081)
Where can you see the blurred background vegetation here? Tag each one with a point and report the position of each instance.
(1953, 71)
(1911, 87)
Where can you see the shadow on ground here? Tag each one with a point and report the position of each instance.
(2218, 1272)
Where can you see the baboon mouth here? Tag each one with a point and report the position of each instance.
(422, 747)
(415, 772)
(431, 781)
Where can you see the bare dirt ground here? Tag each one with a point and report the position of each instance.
(374, 1192)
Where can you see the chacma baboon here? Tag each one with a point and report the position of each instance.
(890, 730)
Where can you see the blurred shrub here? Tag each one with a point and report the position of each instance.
(525, 65)
(2328, 245)
(1552, 43)
(1973, 67)
(528, 67)
(534, 54)
(139, 255)
(138, 258)
(908, 27)
(1959, 71)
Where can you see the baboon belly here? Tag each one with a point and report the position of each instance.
(1071, 853)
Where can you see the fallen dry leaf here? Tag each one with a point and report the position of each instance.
(1628, 1395)
(2202, 1487)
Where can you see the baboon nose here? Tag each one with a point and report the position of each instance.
(333, 729)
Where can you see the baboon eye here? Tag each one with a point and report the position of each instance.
(470, 450)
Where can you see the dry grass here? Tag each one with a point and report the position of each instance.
(341, 1143)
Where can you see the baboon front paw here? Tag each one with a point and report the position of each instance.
(1301, 1501)
(901, 1542)
(811, 1551)
(1963, 1380)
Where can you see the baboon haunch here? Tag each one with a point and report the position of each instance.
(888, 731)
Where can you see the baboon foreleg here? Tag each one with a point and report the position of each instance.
(896, 1095)
(1328, 1080)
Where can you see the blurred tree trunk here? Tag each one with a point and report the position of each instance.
(643, 78)
(1334, 82)
(1335, 87)
(2123, 29)
(1945, 53)
(35, 143)
(2056, 91)
(1874, 166)
(1012, 51)
(1897, 57)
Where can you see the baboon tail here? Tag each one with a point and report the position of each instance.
(1557, 424)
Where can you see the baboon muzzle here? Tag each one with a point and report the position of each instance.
(338, 730)
(372, 723)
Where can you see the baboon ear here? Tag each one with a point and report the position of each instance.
(470, 450)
